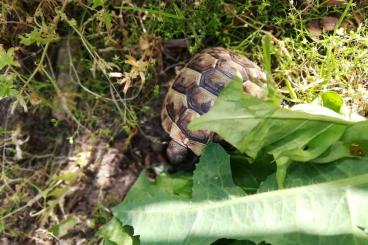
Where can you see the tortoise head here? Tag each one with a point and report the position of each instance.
(176, 152)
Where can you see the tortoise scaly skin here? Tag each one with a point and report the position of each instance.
(194, 91)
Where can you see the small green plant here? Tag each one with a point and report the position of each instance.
(7, 88)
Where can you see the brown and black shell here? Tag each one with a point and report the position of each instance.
(195, 89)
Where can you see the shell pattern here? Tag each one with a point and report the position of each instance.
(195, 89)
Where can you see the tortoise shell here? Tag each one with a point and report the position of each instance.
(195, 89)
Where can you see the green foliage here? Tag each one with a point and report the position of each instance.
(220, 209)
(114, 233)
(179, 184)
(7, 88)
(107, 19)
(213, 180)
(271, 86)
(63, 227)
(39, 36)
(250, 173)
(6, 58)
(254, 126)
(197, 23)
(2, 226)
(96, 3)
(332, 100)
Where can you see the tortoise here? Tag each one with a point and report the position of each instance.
(193, 92)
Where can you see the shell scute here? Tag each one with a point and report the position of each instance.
(231, 68)
(251, 69)
(202, 62)
(200, 100)
(214, 81)
(201, 136)
(218, 53)
(186, 80)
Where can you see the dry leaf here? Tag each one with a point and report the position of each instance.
(357, 18)
(335, 2)
(328, 23)
(115, 74)
(34, 99)
(148, 45)
(139, 68)
(229, 8)
(314, 28)
(65, 100)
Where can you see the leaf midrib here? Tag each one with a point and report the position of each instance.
(218, 118)
(195, 206)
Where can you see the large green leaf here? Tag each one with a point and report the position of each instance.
(330, 209)
(217, 176)
(252, 125)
